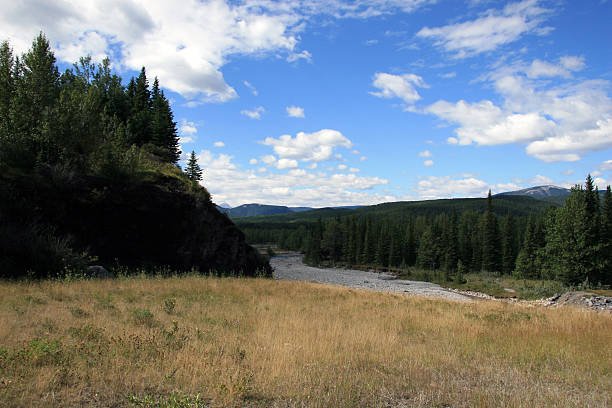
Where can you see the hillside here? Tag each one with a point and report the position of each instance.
(89, 174)
(510, 204)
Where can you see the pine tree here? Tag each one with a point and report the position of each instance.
(526, 262)
(427, 257)
(140, 101)
(451, 252)
(490, 239)
(163, 128)
(606, 237)
(508, 250)
(7, 87)
(193, 170)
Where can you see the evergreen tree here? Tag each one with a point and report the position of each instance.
(606, 237)
(140, 100)
(193, 170)
(451, 252)
(163, 128)
(427, 257)
(508, 249)
(7, 87)
(527, 261)
(490, 239)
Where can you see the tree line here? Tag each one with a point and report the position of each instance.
(84, 119)
(571, 244)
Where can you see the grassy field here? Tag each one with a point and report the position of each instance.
(195, 341)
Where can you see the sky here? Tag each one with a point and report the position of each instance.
(327, 103)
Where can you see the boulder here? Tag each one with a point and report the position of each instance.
(99, 272)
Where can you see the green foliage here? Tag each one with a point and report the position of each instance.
(176, 400)
(144, 317)
(193, 170)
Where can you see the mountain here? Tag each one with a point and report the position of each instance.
(224, 205)
(540, 192)
(502, 205)
(253, 210)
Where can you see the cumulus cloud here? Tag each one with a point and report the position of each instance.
(540, 180)
(560, 122)
(428, 163)
(255, 113)
(187, 131)
(342, 167)
(291, 186)
(317, 146)
(447, 187)
(219, 144)
(398, 86)
(426, 153)
(295, 111)
(606, 166)
(253, 161)
(489, 32)
(286, 164)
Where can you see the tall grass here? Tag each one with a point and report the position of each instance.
(197, 341)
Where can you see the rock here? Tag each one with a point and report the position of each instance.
(97, 271)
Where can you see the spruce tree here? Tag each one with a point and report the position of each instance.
(490, 239)
(606, 237)
(508, 245)
(193, 170)
(7, 87)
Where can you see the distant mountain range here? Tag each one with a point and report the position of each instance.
(253, 210)
(547, 193)
(552, 194)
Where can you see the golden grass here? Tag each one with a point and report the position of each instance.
(255, 342)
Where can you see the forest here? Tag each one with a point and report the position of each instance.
(89, 174)
(515, 236)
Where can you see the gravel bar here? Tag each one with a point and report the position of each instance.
(289, 266)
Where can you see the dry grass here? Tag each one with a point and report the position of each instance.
(250, 342)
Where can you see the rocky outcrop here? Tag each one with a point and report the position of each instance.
(158, 223)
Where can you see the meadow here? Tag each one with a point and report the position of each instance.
(201, 341)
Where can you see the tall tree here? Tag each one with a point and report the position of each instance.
(7, 87)
(606, 237)
(193, 170)
(508, 249)
(163, 127)
(490, 239)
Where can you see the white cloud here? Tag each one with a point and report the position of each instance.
(426, 153)
(371, 42)
(596, 173)
(342, 167)
(317, 146)
(428, 163)
(486, 124)
(573, 63)
(606, 166)
(295, 111)
(296, 187)
(354, 170)
(253, 161)
(568, 172)
(557, 122)
(539, 180)
(305, 55)
(445, 187)
(448, 75)
(363, 158)
(286, 164)
(186, 46)
(398, 86)
(219, 144)
(269, 159)
(255, 113)
(489, 32)
(251, 88)
(187, 131)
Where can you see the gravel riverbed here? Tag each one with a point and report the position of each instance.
(289, 266)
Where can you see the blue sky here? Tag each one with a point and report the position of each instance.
(321, 103)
